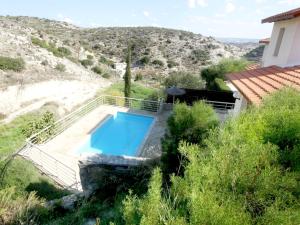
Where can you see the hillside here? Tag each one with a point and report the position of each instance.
(77, 61)
(157, 48)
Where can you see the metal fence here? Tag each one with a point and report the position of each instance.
(56, 169)
(221, 106)
(52, 167)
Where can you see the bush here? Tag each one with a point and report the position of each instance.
(236, 176)
(219, 70)
(14, 64)
(90, 57)
(172, 64)
(45, 63)
(158, 62)
(37, 125)
(138, 77)
(60, 67)
(184, 80)
(86, 62)
(58, 52)
(97, 69)
(23, 210)
(145, 60)
(106, 61)
(190, 124)
(63, 52)
(200, 55)
(106, 75)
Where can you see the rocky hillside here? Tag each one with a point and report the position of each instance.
(153, 48)
(47, 50)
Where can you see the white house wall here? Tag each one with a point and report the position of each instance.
(289, 53)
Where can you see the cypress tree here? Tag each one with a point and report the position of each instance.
(127, 76)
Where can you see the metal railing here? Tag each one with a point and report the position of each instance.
(223, 106)
(50, 166)
(59, 126)
(56, 169)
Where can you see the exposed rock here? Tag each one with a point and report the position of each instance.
(98, 170)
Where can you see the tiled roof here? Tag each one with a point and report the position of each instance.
(255, 84)
(264, 41)
(253, 66)
(283, 16)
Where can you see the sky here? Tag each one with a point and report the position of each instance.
(218, 18)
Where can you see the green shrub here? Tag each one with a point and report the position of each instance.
(184, 80)
(23, 210)
(86, 62)
(158, 62)
(145, 60)
(138, 77)
(106, 61)
(60, 67)
(221, 85)
(237, 175)
(200, 55)
(106, 75)
(50, 46)
(212, 73)
(97, 69)
(172, 64)
(64, 52)
(35, 126)
(14, 64)
(90, 57)
(190, 124)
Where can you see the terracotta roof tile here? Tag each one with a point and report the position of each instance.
(283, 16)
(265, 41)
(256, 83)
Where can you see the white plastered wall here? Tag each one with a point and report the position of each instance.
(289, 53)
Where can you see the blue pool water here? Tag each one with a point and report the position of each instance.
(121, 134)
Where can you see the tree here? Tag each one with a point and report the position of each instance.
(215, 74)
(127, 76)
(184, 79)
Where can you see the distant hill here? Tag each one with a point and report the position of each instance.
(237, 40)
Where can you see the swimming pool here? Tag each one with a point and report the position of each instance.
(121, 134)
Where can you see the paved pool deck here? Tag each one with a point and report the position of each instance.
(64, 146)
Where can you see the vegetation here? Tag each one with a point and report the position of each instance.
(22, 188)
(200, 55)
(245, 172)
(106, 61)
(190, 124)
(158, 62)
(137, 91)
(145, 60)
(138, 77)
(58, 52)
(97, 69)
(60, 67)
(214, 74)
(14, 64)
(184, 80)
(255, 54)
(127, 76)
(86, 62)
(172, 64)
(47, 119)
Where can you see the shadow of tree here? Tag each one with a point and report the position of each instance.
(47, 190)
